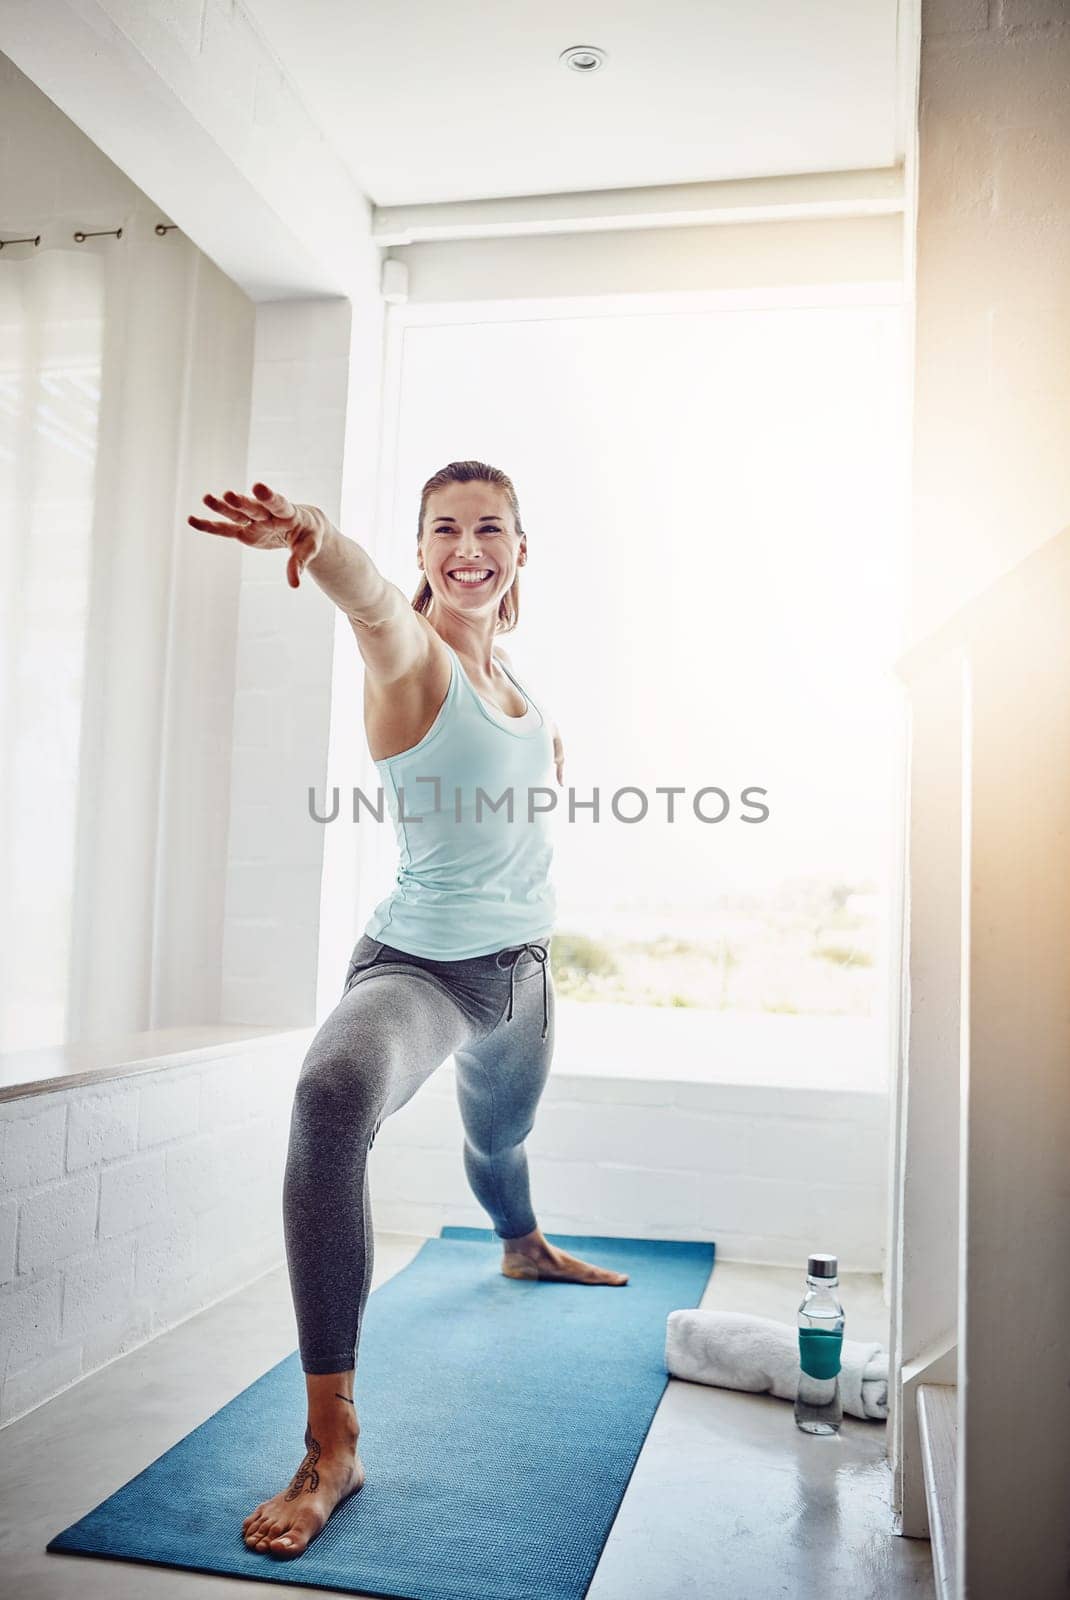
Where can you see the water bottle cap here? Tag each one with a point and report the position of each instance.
(822, 1266)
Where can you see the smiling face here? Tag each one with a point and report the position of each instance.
(469, 549)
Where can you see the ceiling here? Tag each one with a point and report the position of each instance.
(433, 100)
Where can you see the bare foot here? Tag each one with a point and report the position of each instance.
(534, 1256)
(286, 1524)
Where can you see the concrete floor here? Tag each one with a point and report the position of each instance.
(727, 1499)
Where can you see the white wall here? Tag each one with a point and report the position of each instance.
(128, 1205)
(769, 1173)
(991, 464)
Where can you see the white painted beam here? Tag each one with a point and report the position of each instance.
(807, 196)
(188, 101)
(797, 256)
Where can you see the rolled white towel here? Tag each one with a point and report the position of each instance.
(736, 1351)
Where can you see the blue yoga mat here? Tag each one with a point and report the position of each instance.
(500, 1422)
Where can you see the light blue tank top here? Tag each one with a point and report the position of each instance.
(470, 880)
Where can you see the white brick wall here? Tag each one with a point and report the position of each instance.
(769, 1173)
(126, 1206)
(284, 666)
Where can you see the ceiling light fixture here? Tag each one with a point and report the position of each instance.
(583, 57)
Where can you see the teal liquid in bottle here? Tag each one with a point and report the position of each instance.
(818, 1405)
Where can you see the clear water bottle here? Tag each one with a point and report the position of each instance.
(818, 1405)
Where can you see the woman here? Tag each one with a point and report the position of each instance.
(466, 969)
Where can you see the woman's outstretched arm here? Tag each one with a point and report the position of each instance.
(390, 635)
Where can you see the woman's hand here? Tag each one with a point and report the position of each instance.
(269, 522)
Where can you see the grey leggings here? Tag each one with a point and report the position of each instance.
(399, 1017)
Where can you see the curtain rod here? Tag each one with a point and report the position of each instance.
(161, 228)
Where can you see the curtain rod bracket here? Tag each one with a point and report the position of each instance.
(162, 229)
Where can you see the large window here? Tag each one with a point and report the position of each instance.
(714, 500)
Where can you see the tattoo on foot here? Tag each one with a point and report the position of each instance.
(344, 1397)
(306, 1476)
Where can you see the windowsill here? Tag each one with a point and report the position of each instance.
(30, 1072)
(732, 1048)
